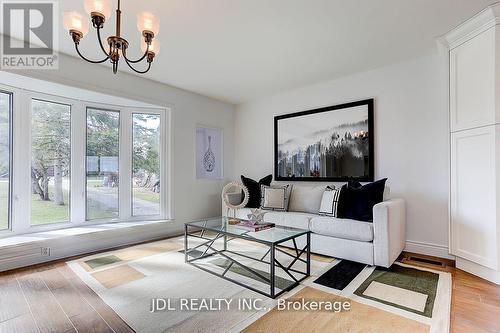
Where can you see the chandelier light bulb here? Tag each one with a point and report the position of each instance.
(102, 7)
(154, 47)
(148, 22)
(75, 21)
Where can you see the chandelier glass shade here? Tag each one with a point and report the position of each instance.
(116, 46)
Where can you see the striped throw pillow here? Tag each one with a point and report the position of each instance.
(329, 202)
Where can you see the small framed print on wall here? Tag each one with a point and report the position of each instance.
(209, 153)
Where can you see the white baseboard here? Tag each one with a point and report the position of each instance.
(428, 249)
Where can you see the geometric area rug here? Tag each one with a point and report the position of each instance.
(401, 298)
(406, 288)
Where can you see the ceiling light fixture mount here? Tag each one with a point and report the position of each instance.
(99, 10)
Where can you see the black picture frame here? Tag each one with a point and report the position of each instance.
(371, 148)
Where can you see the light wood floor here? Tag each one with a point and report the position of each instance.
(51, 298)
(475, 303)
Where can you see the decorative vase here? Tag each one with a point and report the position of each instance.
(209, 157)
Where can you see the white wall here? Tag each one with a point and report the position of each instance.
(191, 198)
(411, 141)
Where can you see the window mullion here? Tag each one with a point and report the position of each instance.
(164, 163)
(21, 173)
(125, 193)
(78, 139)
(166, 166)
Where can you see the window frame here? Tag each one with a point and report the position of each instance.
(161, 148)
(20, 162)
(5, 90)
(23, 196)
(112, 219)
(65, 102)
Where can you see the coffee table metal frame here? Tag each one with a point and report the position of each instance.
(198, 229)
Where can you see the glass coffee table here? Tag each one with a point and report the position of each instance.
(213, 235)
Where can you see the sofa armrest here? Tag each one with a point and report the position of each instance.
(389, 231)
(234, 198)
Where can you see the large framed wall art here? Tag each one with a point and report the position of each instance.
(333, 143)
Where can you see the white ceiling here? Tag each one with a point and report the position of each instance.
(239, 50)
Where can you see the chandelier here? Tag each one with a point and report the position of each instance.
(116, 46)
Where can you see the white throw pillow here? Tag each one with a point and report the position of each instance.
(275, 197)
(306, 199)
(329, 202)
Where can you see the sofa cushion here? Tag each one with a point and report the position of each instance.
(289, 219)
(342, 228)
(306, 199)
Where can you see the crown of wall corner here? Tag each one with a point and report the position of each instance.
(482, 21)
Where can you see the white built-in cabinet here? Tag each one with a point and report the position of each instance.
(473, 196)
(473, 52)
(472, 82)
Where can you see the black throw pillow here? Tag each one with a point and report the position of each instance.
(254, 189)
(354, 184)
(357, 202)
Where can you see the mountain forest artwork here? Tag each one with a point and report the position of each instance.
(328, 144)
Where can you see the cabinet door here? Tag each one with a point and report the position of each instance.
(473, 228)
(472, 82)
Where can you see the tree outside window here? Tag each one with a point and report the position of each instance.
(50, 162)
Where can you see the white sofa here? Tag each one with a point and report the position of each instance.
(378, 243)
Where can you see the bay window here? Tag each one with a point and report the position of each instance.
(78, 162)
